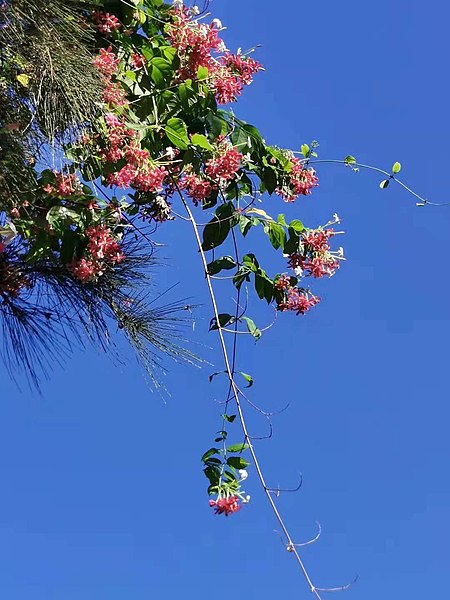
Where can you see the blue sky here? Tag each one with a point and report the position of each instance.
(102, 491)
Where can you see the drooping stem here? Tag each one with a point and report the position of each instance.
(422, 201)
(290, 545)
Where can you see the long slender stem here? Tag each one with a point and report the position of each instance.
(382, 172)
(290, 545)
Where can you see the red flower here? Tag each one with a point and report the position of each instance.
(226, 506)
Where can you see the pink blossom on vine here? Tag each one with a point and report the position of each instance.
(150, 179)
(106, 23)
(242, 67)
(301, 181)
(102, 245)
(64, 185)
(138, 60)
(283, 282)
(194, 42)
(196, 188)
(224, 166)
(226, 505)
(85, 270)
(298, 300)
(106, 62)
(317, 239)
(114, 95)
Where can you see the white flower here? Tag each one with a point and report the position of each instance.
(221, 47)
(217, 23)
(170, 153)
(243, 474)
(246, 500)
(177, 3)
(299, 272)
(194, 10)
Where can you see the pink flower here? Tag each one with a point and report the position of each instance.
(106, 62)
(298, 300)
(226, 506)
(225, 165)
(85, 270)
(114, 95)
(197, 189)
(243, 67)
(283, 282)
(301, 180)
(106, 23)
(138, 60)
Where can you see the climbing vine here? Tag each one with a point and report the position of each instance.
(157, 141)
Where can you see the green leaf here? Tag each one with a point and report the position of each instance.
(248, 378)
(202, 73)
(229, 418)
(350, 160)
(211, 377)
(237, 462)
(237, 447)
(201, 141)
(176, 131)
(305, 150)
(224, 319)
(396, 167)
(220, 264)
(260, 213)
(251, 262)
(245, 224)
(384, 184)
(277, 235)
(213, 474)
(297, 226)
(209, 453)
(263, 286)
(281, 220)
(270, 180)
(217, 230)
(255, 332)
(215, 126)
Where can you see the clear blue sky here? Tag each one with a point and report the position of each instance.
(102, 492)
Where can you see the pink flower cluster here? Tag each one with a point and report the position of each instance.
(197, 188)
(106, 62)
(138, 60)
(297, 300)
(227, 505)
(301, 181)
(103, 250)
(225, 165)
(219, 170)
(64, 185)
(196, 43)
(105, 22)
(314, 257)
(234, 72)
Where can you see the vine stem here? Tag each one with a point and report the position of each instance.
(290, 545)
(382, 172)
